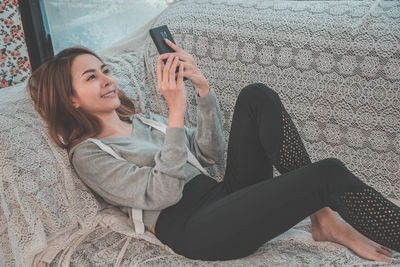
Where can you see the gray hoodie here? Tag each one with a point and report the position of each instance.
(156, 169)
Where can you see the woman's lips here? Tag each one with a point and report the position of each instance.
(109, 94)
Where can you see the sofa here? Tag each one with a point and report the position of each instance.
(335, 65)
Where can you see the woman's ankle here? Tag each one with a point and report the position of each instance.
(321, 215)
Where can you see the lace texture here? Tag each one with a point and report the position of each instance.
(41, 198)
(335, 65)
(372, 215)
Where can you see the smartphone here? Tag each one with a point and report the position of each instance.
(158, 34)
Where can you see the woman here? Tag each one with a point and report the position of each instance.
(195, 215)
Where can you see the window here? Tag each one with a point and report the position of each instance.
(97, 24)
(52, 25)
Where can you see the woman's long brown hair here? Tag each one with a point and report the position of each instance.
(50, 87)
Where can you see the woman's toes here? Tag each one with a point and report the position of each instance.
(384, 250)
(380, 248)
(383, 258)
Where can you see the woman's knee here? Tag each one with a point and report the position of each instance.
(333, 165)
(336, 172)
(338, 179)
(259, 92)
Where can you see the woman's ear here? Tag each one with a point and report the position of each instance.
(74, 102)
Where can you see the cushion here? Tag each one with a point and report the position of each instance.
(40, 196)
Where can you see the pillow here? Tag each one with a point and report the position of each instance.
(40, 196)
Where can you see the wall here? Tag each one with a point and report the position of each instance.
(14, 60)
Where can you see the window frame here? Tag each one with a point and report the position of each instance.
(37, 32)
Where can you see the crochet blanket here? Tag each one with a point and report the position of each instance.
(335, 65)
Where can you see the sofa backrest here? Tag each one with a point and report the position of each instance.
(335, 64)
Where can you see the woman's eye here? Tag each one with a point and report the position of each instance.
(92, 76)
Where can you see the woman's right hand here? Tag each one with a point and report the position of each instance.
(172, 89)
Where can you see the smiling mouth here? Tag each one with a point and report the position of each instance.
(110, 93)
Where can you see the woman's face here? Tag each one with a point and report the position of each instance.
(92, 83)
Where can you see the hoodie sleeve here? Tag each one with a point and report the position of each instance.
(207, 141)
(126, 184)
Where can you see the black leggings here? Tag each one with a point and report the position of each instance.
(233, 218)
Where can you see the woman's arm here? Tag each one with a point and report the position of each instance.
(207, 141)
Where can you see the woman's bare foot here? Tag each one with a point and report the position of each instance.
(326, 226)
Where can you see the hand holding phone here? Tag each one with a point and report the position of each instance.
(167, 47)
(170, 86)
(158, 34)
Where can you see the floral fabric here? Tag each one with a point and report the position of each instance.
(14, 60)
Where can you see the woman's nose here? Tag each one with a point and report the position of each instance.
(106, 80)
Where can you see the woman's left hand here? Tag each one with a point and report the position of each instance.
(191, 71)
